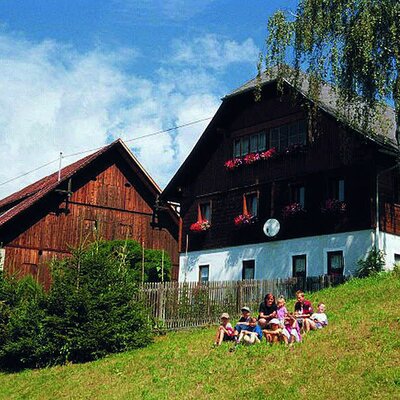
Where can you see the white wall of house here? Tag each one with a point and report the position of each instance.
(273, 259)
(390, 244)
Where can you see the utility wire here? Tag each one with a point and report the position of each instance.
(29, 172)
(98, 148)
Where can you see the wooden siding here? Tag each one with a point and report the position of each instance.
(106, 198)
(332, 153)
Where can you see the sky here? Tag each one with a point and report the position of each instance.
(78, 74)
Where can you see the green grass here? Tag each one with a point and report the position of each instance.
(356, 357)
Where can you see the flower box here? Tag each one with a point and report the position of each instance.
(245, 219)
(292, 210)
(333, 206)
(249, 159)
(232, 164)
(200, 226)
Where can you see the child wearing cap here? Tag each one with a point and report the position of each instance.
(225, 330)
(274, 334)
(243, 322)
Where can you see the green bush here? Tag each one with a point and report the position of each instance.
(373, 264)
(132, 253)
(90, 311)
(396, 270)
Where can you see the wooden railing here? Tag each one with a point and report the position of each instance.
(180, 305)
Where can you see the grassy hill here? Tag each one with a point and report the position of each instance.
(357, 356)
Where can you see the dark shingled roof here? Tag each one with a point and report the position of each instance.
(327, 101)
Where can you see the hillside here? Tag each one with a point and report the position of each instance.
(357, 356)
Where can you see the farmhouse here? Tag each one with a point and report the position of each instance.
(107, 194)
(315, 172)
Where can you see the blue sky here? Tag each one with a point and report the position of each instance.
(77, 74)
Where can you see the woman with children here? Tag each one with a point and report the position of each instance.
(274, 322)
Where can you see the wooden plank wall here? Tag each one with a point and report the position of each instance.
(333, 153)
(106, 205)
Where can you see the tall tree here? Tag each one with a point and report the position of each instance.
(352, 44)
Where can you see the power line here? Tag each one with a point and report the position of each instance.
(98, 148)
(29, 172)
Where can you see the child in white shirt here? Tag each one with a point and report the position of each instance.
(317, 320)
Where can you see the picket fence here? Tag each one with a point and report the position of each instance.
(180, 305)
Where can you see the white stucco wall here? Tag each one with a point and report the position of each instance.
(390, 244)
(273, 259)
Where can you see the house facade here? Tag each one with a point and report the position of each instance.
(105, 195)
(280, 159)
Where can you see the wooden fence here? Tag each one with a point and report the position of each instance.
(179, 305)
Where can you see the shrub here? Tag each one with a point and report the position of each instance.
(372, 265)
(130, 252)
(22, 329)
(89, 311)
(396, 270)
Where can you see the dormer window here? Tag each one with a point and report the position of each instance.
(288, 135)
(249, 144)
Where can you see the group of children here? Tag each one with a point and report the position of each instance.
(274, 322)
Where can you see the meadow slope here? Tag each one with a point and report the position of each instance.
(357, 356)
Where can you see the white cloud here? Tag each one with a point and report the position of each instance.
(53, 98)
(212, 51)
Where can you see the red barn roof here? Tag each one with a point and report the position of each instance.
(26, 197)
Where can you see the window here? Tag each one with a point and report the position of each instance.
(204, 273)
(299, 264)
(250, 144)
(278, 138)
(89, 225)
(248, 269)
(396, 259)
(336, 189)
(297, 194)
(126, 231)
(297, 133)
(204, 212)
(250, 204)
(335, 263)
(288, 135)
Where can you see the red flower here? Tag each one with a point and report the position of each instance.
(334, 206)
(200, 226)
(292, 209)
(251, 158)
(265, 155)
(244, 219)
(232, 164)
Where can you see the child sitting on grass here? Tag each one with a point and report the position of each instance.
(243, 322)
(291, 330)
(274, 334)
(251, 334)
(317, 320)
(302, 308)
(225, 331)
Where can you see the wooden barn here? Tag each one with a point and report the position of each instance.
(107, 194)
(323, 179)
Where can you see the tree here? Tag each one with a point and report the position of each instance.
(352, 44)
